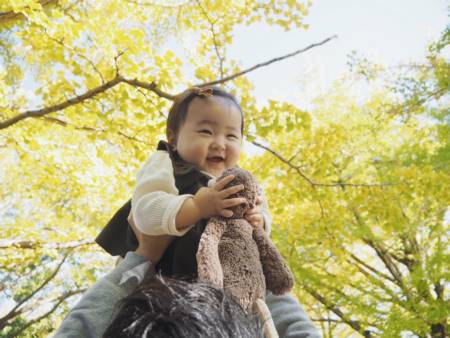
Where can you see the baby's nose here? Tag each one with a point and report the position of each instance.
(219, 143)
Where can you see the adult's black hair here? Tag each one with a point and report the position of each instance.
(171, 308)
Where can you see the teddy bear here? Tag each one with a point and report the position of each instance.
(240, 258)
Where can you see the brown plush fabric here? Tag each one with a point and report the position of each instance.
(279, 278)
(235, 256)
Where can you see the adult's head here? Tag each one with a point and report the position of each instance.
(172, 308)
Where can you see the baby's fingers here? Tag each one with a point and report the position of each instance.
(255, 220)
(231, 190)
(219, 185)
(259, 200)
(250, 212)
(231, 202)
(226, 213)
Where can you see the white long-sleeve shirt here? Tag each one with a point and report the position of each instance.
(156, 200)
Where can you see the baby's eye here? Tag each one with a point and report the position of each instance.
(205, 131)
(232, 136)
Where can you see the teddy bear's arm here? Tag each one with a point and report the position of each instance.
(208, 262)
(279, 278)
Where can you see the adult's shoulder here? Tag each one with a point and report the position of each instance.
(92, 314)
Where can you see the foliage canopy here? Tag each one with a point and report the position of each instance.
(358, 188)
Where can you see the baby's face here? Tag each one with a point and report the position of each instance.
(211, 136)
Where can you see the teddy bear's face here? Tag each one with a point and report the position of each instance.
(250, 192)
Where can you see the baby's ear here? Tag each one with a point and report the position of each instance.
(171, 139)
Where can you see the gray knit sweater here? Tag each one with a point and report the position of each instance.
(94, 312)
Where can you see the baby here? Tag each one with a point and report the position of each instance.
(176, 189)
(176, 192)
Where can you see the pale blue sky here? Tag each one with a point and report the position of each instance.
(390, 31)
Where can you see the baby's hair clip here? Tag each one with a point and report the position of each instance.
(206, 92)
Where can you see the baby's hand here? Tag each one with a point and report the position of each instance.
(213, 201)
(254, 216)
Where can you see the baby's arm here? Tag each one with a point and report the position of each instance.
(156, 200)
(157, 209)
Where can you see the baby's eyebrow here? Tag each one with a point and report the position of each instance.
(207, 122)
(214, 123)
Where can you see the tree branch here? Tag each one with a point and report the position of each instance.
(72, 101)
(11, 314)
(409, 107)
(367, 266)
(328, 320)
(310, 181)
(69, 7)
(345, 295)
(382, 253)
(152, 86)
(213, 32)
(439, 330)
(90, 129)
(393, 294)
(264, 64)
(59, 300)
(386, 258)
(151, 4)
(35, 244)
(83, 97)
(355, 325)
(76, 52)
(10, 15)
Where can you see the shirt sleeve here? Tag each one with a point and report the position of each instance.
(156, 202)
(265, 213)
(289, 317)
(90, 317)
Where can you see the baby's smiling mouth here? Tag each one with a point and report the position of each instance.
(215, 159)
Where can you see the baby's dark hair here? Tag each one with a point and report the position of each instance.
(171, 308)
(179, 109)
